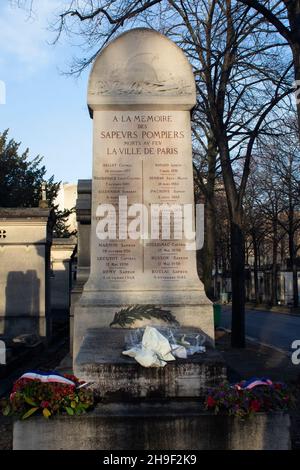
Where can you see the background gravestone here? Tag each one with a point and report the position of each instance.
(141, 91)
(25, 241)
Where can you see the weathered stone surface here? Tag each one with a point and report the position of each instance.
(29, 213)
(6, 433)
(83, 217)
(155, 426)
(120, 377)
(25, 240)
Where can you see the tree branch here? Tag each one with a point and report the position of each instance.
(119, 20)
(271, 17)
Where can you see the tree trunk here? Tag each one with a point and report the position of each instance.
(294, 271)
(255, 252)
(296, 57)
(293, 10)
(238, 285)
(237, 245)
(208, 253)
(274, 298)
(293, 264)
(295, 285)
(209, 247)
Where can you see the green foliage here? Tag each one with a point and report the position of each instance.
(129, 315)
(62, 229)
(21, 180)
(69, 410)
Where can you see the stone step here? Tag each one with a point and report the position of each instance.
(176, 425)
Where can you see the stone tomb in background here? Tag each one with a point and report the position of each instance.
(141, 92)
(25, 241)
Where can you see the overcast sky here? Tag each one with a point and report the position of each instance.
(45, 110)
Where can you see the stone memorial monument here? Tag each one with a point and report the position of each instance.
(140, 95)
(141, 92)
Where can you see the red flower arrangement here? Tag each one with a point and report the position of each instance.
(244, 403)
(30, 397)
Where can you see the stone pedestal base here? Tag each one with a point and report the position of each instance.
(190, 309)
(170, 426)
(100, 360)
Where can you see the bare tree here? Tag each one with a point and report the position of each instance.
(205, 175)
(237, 93)
(284, 15)
(266, 208)
(281, 161)
(255, 225)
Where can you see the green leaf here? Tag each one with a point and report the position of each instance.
(127, 316)
(69, 410)
(30, 412)
(6, 410)
(30, 401)
(85, 406)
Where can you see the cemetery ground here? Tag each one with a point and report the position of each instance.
(255, 360)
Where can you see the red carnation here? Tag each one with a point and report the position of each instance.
(210, 402)
(255, 405)
(45, 404)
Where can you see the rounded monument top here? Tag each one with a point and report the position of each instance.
(141, 68)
